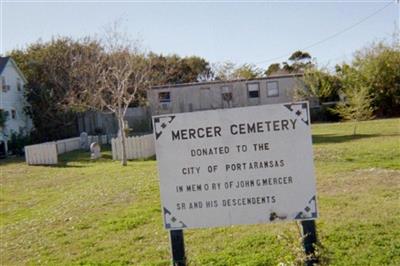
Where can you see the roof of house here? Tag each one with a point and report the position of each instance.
(3, 62)
(225, 81)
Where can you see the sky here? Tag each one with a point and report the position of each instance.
(257, 32)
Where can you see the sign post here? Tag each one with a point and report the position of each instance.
(177, 248)
(309, 234)
(247, 165)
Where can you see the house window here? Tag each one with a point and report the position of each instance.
(13, 114)
(164, 97)
(226, 92)
(4, 86)
(4, 113)
(253, 90)
(19, 85)
(272, 89)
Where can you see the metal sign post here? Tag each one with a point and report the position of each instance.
(177, 248)
(309, 234)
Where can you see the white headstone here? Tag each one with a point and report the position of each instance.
(95, 151)
(84, 141)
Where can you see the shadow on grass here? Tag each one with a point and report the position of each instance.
(151, 158)
(81, 158)
(11, 160)
(333, 138)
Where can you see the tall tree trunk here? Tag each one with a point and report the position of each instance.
(123, 140)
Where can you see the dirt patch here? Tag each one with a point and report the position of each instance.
(359, 181)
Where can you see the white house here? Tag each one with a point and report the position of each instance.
(12, 102)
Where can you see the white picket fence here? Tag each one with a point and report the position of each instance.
(47, 153)
(140, 147)
(67, 145)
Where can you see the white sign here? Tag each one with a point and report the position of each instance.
(236, 166)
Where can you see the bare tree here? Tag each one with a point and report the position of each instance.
(109, 79)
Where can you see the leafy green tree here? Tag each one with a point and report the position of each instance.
(199, 69)
(174, 69)
(247, 71)
(298, 62)
(356, 106)
(320, 84)
(299, 56)
(346, 85)
(378, 68)
(230, 71)
(273, 68)
(47, 67)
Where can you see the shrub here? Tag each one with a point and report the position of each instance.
(18, 142)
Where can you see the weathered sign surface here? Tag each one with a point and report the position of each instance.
(236, 166)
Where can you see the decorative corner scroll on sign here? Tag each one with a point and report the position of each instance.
(160, 123)
(300, 110)
(310, 211)
(171, 222)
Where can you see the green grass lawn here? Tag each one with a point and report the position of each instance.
(100, 213)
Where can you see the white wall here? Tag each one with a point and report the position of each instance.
(14, 99)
